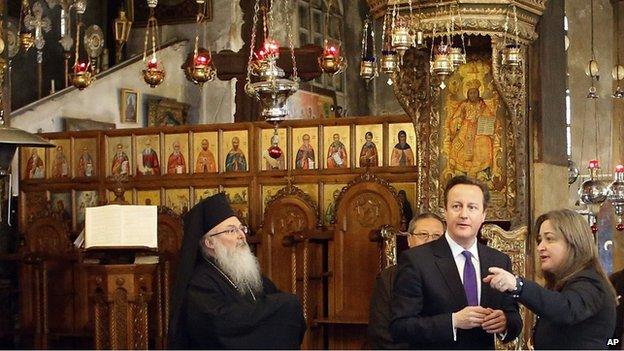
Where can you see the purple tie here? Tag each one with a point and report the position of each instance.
(470, 280)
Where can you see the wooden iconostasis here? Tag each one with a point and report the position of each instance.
(178, 166)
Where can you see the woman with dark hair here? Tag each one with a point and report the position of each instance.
(576, 309)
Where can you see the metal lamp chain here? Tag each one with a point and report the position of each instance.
(516, 33)
(461, 26)
(253, 39)
(364, 38)
(305, 280)
(383, 32)
(293, 267)
(288, 5)
(78, 39)
(506, 27)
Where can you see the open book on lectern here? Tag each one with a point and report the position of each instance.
(118, 226)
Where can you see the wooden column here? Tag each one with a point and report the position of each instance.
(120, 294)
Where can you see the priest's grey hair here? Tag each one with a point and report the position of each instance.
(238, 263)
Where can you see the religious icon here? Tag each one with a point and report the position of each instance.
(129, 105)
(330, 195)
(407, 193)
(177, 200)
(336, 139)
(370, 137)
(205, 145)
(201, 194)
(268, 191)
(307, 141)
(239, 200)
(235, 160)
(118, 150)
(84, 199)
(34, 204)
(148, 197)
(177, 149)
(121, 163)
(337, 153)
(61, 206)
(267, 138)
(472, 129)
(34, 163)
(402, 154)
(85, 161)
(148, 150)
(59, 161)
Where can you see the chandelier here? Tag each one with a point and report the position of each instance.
(199, 68)
(83, 74)
(270, 87)
(154, 73)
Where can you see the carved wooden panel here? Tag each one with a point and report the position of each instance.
(514, 244)
(365, 205)
(49, 279)
(170, 233)
(296, 267)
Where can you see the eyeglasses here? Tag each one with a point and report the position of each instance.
(424, 236)
(233, 230)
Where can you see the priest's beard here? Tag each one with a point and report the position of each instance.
(240, 265)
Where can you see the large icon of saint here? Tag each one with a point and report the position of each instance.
(470, 128)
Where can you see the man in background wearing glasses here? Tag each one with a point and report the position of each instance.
(422, 229)
(220, 299)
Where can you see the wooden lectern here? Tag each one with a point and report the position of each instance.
(120, 294)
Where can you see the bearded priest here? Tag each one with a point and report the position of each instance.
(220, 299)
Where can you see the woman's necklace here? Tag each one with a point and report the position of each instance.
(230, 280)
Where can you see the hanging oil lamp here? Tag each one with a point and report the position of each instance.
(401, 37)
(271, 87)
(512, 52)
(593, 191)
(389, 60)
(591, 70)
(154, 73)
(441, 65)
(331, 61)
(615, 192)
(82, 75)
(199, 67)
(368, 66)
(456, 56)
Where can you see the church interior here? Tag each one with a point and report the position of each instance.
(328, 124)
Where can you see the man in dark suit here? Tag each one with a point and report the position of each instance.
(439, 300)
(422, 229)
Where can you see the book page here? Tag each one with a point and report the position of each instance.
(485, 125)
(103, 226)
(140, 225)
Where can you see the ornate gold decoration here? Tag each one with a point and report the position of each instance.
(389, 235)
(514, 244)
(511, 85)
(484, 18)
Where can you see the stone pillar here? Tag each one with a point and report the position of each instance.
(547, 69)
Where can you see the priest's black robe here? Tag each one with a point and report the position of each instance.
(216, 316)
